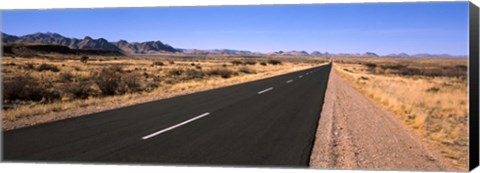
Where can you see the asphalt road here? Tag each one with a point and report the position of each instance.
(269, 122)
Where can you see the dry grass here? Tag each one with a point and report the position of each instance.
(71, 86)
(428, 95)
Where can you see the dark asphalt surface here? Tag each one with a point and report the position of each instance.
(242, 128)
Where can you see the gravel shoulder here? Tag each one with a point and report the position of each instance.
(355, 133)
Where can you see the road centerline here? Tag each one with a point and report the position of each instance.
(290, 81)
(175, 126)
(265, 90)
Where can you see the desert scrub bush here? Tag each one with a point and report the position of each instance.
(109, 81)
(236, 62)
(82, 89)
(132, 82)
(275, 62)
(370, 65)
(47, 67)
(146, 75)
(224, 73)
(393, 67)
(158, 63)
(363, 78)
(175, 72)
(428, 71)
(84, 59)
(461, 67)
(246, 70)
(250, 62)
(433, 90)
(14, 88)
(77, 68)
(29, 66)
(10, 64)
(348, 70)
(116, 68)
(151, 86)
(194, 74)
(409, 71)
(263, 63)
(66, 76)
(171, 62)
(27, 88)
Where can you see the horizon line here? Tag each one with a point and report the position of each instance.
(262, 52)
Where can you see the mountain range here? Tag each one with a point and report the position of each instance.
(88, 43)
(157, 47)
(218, 52)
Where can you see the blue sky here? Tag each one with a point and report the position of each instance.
(337, 28)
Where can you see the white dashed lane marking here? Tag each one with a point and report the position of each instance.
(175, 126)
(265, 90)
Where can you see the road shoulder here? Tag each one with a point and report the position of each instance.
(355, 133)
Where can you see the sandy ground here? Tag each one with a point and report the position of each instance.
(355, 133)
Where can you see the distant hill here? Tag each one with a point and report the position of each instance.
(427, 55)
(398, 55)
(217, 52)
(424, 55)
(317, 53)
(296, 53)
(29, 50)
(89, 43)
(149, 47)
(57, 39)
(370, 54)
(290, 53)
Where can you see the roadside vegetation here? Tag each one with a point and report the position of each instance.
(37, 90)
(428, 95)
